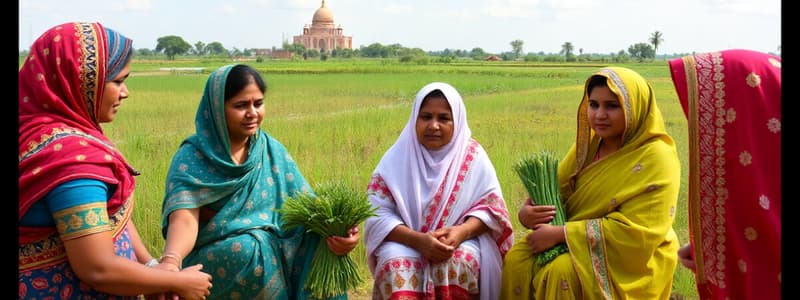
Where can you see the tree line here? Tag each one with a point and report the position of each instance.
(173, 46)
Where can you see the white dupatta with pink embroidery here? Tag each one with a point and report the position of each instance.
(427, 190)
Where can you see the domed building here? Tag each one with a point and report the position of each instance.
(323, 34)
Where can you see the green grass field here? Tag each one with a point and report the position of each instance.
(338, 117)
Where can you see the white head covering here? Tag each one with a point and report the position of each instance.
(425, 166)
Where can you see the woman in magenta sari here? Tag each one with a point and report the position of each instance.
(732, 100)
(77, 239)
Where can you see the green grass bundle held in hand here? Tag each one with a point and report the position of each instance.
(333, 211)
(539, 175)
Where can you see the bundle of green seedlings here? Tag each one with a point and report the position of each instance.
(332, 212)
(539, 175)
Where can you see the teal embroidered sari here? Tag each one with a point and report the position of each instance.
(240, 242)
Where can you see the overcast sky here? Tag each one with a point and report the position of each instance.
(596, 26)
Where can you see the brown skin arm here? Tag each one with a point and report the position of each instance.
(182, 233)
(94, 262)
(184, 225)
(426, 243)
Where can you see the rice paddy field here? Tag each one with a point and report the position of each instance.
(337, 118)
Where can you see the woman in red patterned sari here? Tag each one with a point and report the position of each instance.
(76, 236)
(732, 100)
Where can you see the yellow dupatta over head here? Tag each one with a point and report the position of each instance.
(620, 208)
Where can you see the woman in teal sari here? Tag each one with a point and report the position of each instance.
(224, 188)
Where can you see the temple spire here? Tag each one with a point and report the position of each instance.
(323, 3)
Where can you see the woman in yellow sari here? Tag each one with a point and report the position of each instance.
(619, 183)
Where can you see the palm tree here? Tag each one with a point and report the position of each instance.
(567, 48)
(656, 39)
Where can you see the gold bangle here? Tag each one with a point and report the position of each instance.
(177, 258)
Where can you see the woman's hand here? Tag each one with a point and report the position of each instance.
(196, 283)
(686, 257)
(164, 296)
(531, 215)
(434, 250)
(545, 236)
(340, 245)
(451, 235)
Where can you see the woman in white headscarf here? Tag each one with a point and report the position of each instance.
(442, 227)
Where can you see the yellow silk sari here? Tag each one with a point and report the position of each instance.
(619, 210)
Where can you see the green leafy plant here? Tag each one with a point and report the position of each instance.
(333, 211)
(539, 175)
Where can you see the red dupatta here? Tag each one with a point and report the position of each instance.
(60, 89)
(732, 100)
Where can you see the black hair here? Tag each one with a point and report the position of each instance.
(596, 81)
(239, 77)
(433, 94)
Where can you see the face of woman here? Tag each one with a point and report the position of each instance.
(114, 91)
(605, 114)
(435, 123)
(244, 112)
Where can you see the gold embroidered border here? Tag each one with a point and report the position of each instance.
(44, 252)
(57, 134)
(694, 162)
(708, 210)
(89, 67)
(81, 220)
(594, 236)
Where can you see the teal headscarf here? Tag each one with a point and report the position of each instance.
(242, 245)
(120, 51)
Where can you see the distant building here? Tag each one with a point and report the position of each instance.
(281, 54)
(323, 34)
(267, 52)
(262, 51)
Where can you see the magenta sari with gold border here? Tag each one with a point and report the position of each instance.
(732, 100)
